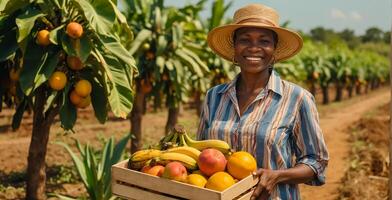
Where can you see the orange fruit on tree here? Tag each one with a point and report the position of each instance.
(74, 30)
(75, 98)
(43, 38)
(83, 88)
(75, 63)
(85, 102)
(241, 164)
(57, 80)
(197, 180)
(220, 181)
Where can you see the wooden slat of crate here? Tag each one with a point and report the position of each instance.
(120, 174)
(135, 193)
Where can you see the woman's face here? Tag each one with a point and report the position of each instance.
(254, 49)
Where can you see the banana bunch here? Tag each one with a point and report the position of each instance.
(186, 155)
(179, 137)
(142, 158)
(176, 146)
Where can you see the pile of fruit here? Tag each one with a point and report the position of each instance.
(207, 163)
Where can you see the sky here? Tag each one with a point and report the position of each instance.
(357, 15)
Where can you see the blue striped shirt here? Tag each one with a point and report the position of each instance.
(280, 128)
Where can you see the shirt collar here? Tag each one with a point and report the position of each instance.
(274, 84)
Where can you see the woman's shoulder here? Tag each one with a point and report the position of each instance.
(295, 90)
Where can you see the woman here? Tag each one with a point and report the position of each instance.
(258, 112)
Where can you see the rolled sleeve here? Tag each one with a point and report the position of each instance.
(309, 145)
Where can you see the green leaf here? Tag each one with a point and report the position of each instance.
(18, 116)
(8, 44)
(10, 6)
(26, 21)
(77, 162)
(121, 95)
(195, 67)
(34, 59)
(98, 13)
(99, 101)
(68, 113)
(142, 36)
(77, 47)
(54, 34)
(115, 47)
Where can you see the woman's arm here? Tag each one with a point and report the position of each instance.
(269, 178)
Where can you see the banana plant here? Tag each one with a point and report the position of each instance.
(340, 69)
(48, 46)
(318, 71)
(164, 58)
(221, 70)
(94, 167)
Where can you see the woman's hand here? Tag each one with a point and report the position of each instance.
(267, 182)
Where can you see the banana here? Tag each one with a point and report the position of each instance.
(145, 154)
(220, 145)
(187, 161)
(189, 151)
(139, 164)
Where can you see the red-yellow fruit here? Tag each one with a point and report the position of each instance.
(43, 38)
(197, 180)
(83, 88)
(241, 164)
(75, 98)
(85, 102)
(74, 63)
(211, 161)
(156, 170)
(175, 171)
(14, 74)
(57, 80)
(74, 30)
(220, 181)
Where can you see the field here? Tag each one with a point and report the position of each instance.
(338, 120)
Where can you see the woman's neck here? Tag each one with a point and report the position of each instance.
(250, 82)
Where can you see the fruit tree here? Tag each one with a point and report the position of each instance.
(59, 56)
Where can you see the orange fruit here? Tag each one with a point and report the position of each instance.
(75, 98)
(85, 102)
(83, 88)
(220, 181)
(74, 63)
(43, 38)
(57, 80)
(241, 164)
(197, 180)
(74, 30)
(14, 74)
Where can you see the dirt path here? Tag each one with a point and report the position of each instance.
(335, 123)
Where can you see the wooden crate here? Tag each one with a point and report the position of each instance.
(131, 184)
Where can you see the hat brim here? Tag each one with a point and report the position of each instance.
(220, 40)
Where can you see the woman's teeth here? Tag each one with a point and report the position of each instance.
(253, 58)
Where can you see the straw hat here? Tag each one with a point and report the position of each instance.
(220, 39)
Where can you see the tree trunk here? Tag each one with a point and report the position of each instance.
(198, 103)
(339, 91)
(136, 120)
(172, 119)
(350, 90)
(358, 90)
(313, 88)
(325, 94)
(367, 87)
(36, 174)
